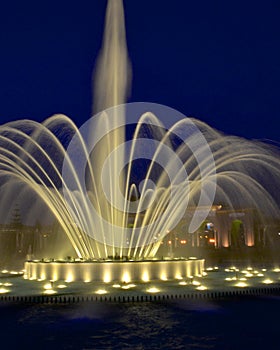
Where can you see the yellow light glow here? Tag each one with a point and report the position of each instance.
(128, 286)
(153, 290)
(201, 288)
(48, 286)
(196, 283)
(243, 279)
(69, 277)
(260, 274)
(163, 276)
(116, 286)
(145, 277)
(4, 290)
(4, 271)
(101, 291)
(8, 284)
(276, 270)
(267, 281)
(178, 276)
(183, 283)
(241, 285)
(209, 269)
(61, 286)
(107, 277)
(126, 277)
(49, 291)
(125, 287)
(249, 275)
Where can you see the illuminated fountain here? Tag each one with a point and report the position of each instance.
(117, 192)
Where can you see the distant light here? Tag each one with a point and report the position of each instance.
(128, 286)
(153, 290)
(243, 279)
(249, 275)
(241, 285)
(50, 291)
(116, 286)
(8, 284)
(101, 291)
(145, 277)
(126, 277)
(48, 286)
(267, 281)
(61, 286)
(196, 283)
(183, 241)
(276, 270)
(260, 274)
(125, 287)
(209, 269)
(183, 283)
(201, 288)
(4, 271)
(212, 240)
(4, 290)
(178, 277)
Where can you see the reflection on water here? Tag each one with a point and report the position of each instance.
(246, 324)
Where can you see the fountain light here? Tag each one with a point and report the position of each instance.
(116, 286)
(267, 281)
(153, 290)
(49, 291)
(249, 274)
(4, 290)
(48, 286)
(101, 291)
(183, 283)
(196, 283)
(201, 288)
(241, 285)
(61, 286)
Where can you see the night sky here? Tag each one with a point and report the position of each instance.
(216, 60)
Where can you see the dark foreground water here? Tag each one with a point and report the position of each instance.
(235, 324)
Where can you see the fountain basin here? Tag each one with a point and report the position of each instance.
(108, 271)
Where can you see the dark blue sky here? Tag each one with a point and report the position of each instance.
(216, 60)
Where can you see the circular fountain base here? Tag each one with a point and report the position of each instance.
(109, 271)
